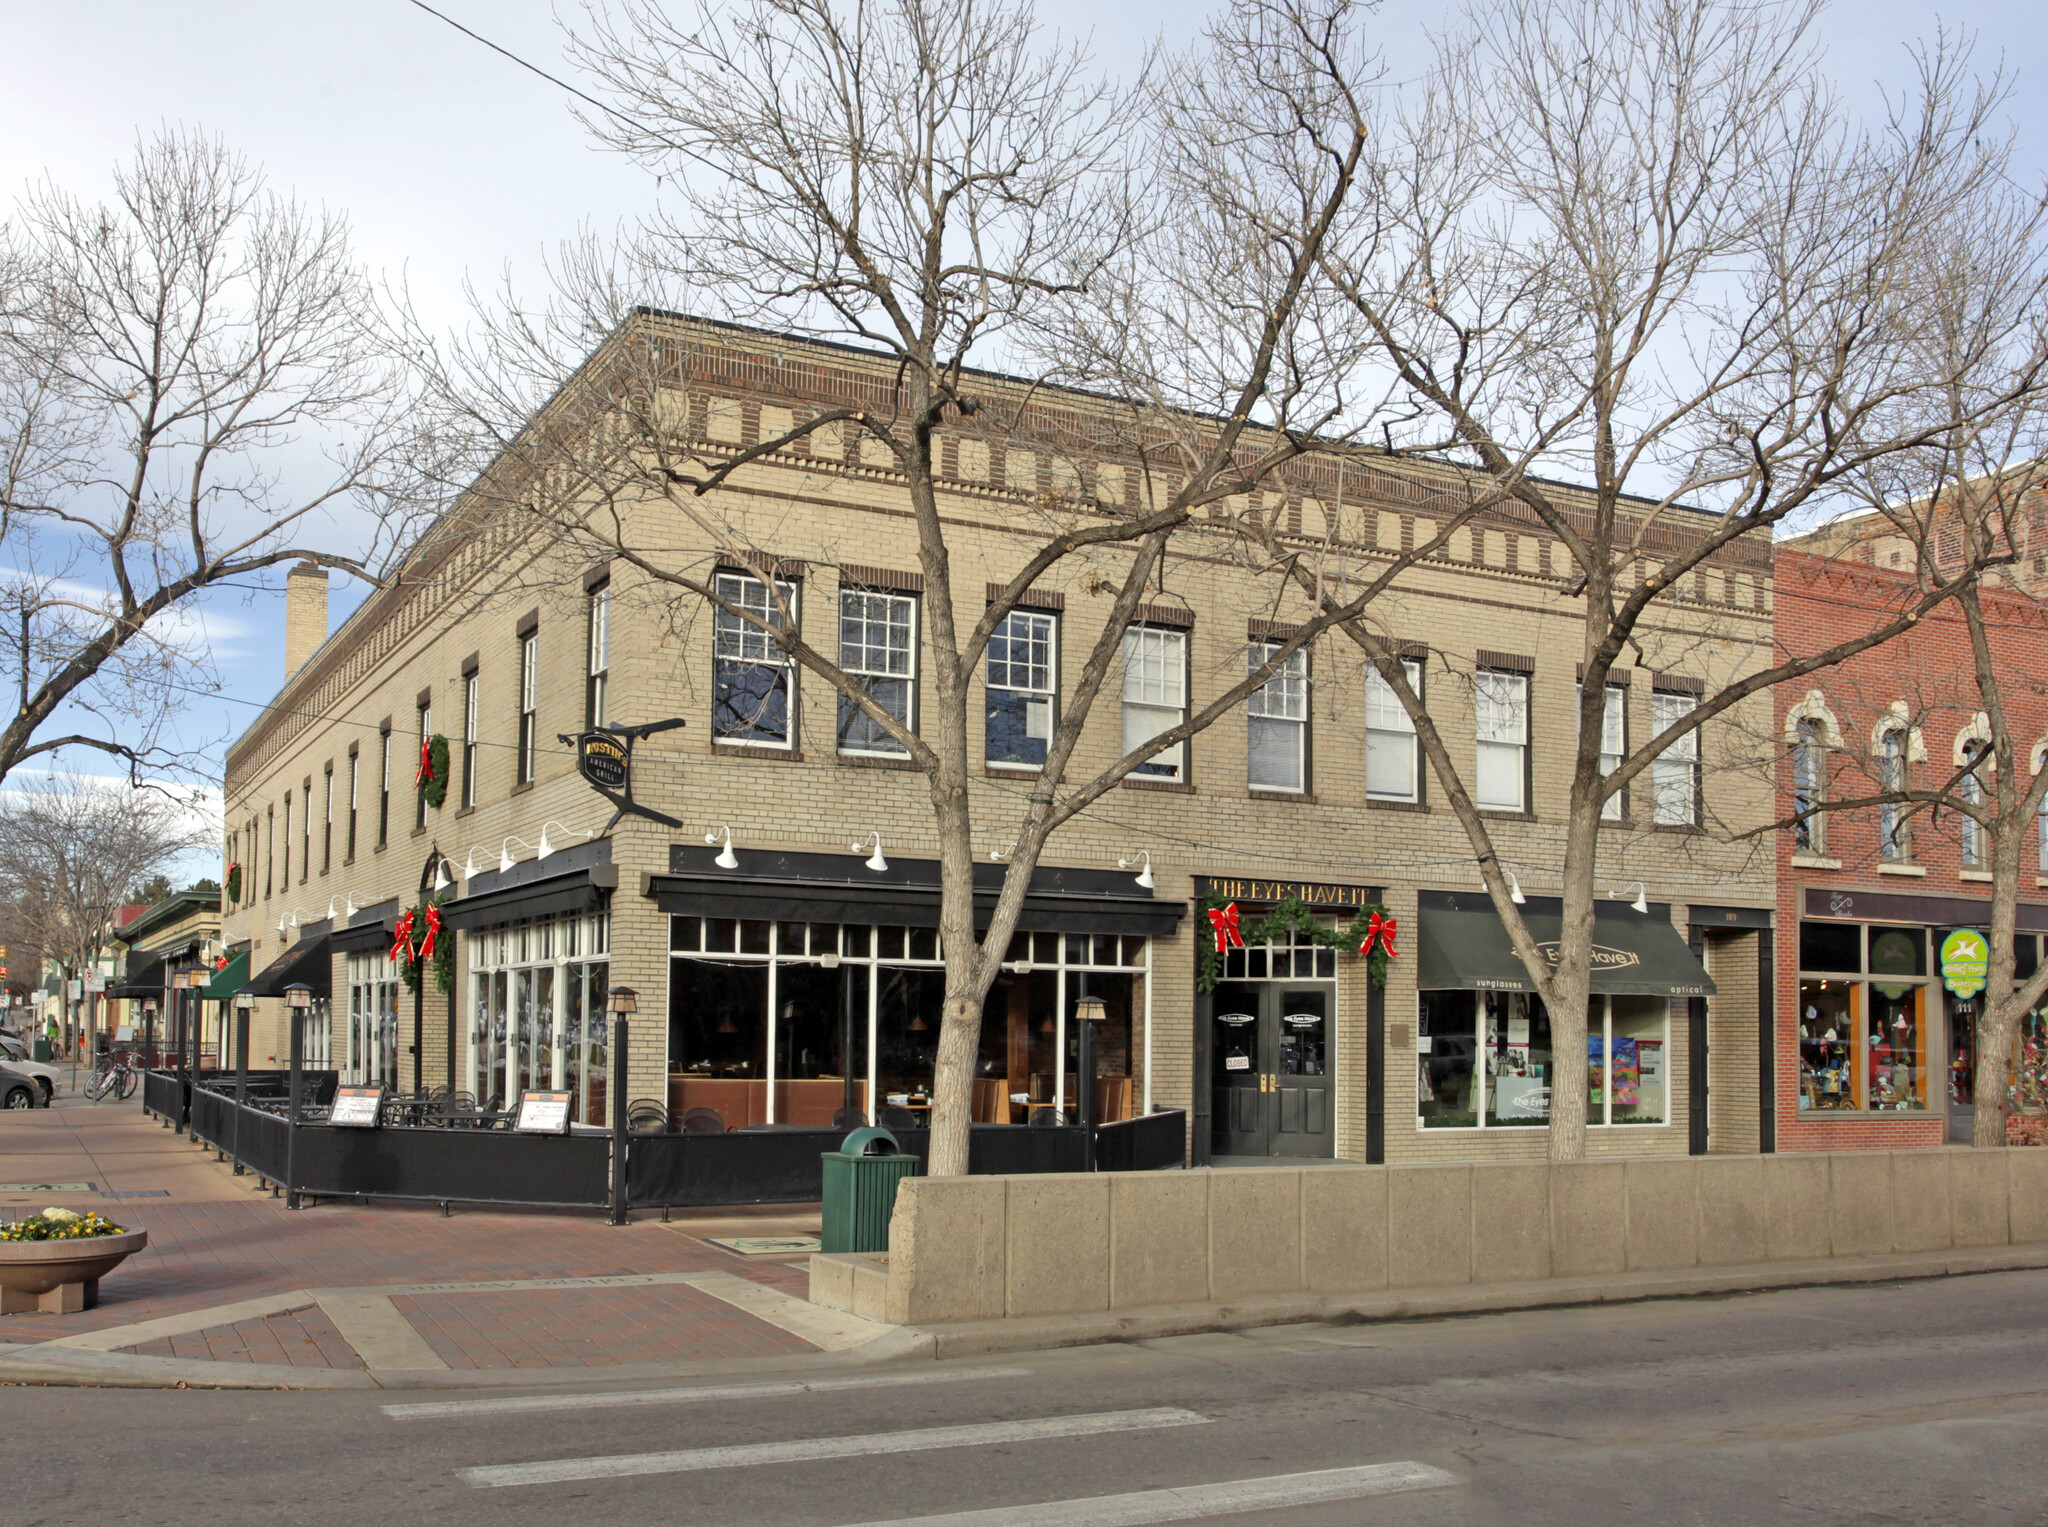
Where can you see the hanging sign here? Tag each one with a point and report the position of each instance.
(1965, 961)
(602, 759)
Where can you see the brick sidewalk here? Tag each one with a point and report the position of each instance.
(215, 1242)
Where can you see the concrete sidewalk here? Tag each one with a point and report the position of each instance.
(235, 1289)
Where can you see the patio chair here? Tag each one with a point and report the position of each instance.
(703, 1121)
(897, 1118)
(848, 1118)
(645, 1116)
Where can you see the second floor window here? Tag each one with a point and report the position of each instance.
(1392, 751)
(1613, 743)
(1023, 689)
(355, 778)
(270, 851)
(1276, 720)
(751, 677)
(419, 796)
(1809, 788)
(1155, 696)
(877, 648)
(327, 823)
(305, 832)
(600, 667)
(469, 734)
(529, 705)
(1501, 715)
(384, 788)
(1891, 778)
(1675, 776)
(1971, 788)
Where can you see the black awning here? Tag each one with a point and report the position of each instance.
(910, 906)
(369, 928)
(144, 978)
(307, 961)
(1637, 955)
(581, 890)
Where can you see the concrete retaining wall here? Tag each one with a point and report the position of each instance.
(983, 1248)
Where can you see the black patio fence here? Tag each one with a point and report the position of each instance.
(448, 1166)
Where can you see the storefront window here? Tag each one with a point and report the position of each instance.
(370, 1056)
(850, 1017)
(1863, 1044)
(1484, 1059)
(537, 1014)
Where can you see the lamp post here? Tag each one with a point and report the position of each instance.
(178, 1024)
(148, 1032)
(1089, 1015)
(297, 998)
(621, 1003)
(245, 1000)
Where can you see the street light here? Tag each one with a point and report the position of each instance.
(298, 997)
(1089, 1013)
(623, 1000)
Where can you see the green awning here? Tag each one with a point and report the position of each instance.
(229, 979)
(1633, 956)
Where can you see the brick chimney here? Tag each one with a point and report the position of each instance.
(305, 615)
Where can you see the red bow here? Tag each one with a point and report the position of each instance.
(401, 939)
(1225, 924)
(1381, 930)
(426, 768)
(433, 927)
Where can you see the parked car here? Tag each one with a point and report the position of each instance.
(20, 1090)
(14, 1052)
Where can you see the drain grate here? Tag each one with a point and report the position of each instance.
(45, 1187)
(140, 1193)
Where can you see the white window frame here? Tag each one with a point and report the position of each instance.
(1037, 681)
(1971, 788)
(1500, 715)
(874, 611)
(419, 797)
(1809, 783)
(1613, 744)
(600, 655)
(1894, 771)
(1389, 728)
(1155, 697)
(529, 706)
(1675, 773)
(469, 737)
(355, 795)
(738, 641)
(1282, 704)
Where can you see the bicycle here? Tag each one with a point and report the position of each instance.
(114, 1074)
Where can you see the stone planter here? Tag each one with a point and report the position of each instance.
(61, 1277)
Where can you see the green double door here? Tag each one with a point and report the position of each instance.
(1273, 1059)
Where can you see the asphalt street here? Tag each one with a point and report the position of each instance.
(1913, 1402)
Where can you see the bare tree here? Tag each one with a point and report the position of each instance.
(930, 182)
(195, 387)
(1639, 247)
(73, 848)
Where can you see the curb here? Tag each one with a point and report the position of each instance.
(1037, 1333)
(79, 1368)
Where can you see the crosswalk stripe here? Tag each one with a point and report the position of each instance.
(605, 1399)
(1189, 1503)
(983, 1434)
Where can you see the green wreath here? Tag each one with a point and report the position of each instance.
(234, 885)
(444, 952)
(434, 788)
(1290, 916)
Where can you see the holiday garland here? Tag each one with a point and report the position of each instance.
(1373, 923)
(432, 776)
(419, 937)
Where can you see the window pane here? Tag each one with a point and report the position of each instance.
(1020, 653)
(1831, 946)
(1897, 1051)
(1445, 1041)
(718, 1019)
(751, 702)
(1827, 1033)
(1144, 722)
(1517, 1059)
(861, 733)
(1898, 952)
(1383, 709)
(1641, 1074)
(875, 632)
(1390, 764)
(1019, 727)
(1155, 667)
(1276, 754)
(1502, 702)
(1499, 786)
(1283, 697)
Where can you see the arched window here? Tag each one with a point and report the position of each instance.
(1971, 788)
(1891, 779)
(1809, 786)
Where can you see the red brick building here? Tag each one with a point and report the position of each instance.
(1873, 1047)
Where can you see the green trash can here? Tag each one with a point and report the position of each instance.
(860, 1190)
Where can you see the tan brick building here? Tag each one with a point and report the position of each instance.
(780, 978)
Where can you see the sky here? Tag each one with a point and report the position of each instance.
(452, 162)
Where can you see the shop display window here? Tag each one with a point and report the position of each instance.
(537, 1015)
(1484, 1059)
(1864, 1044)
